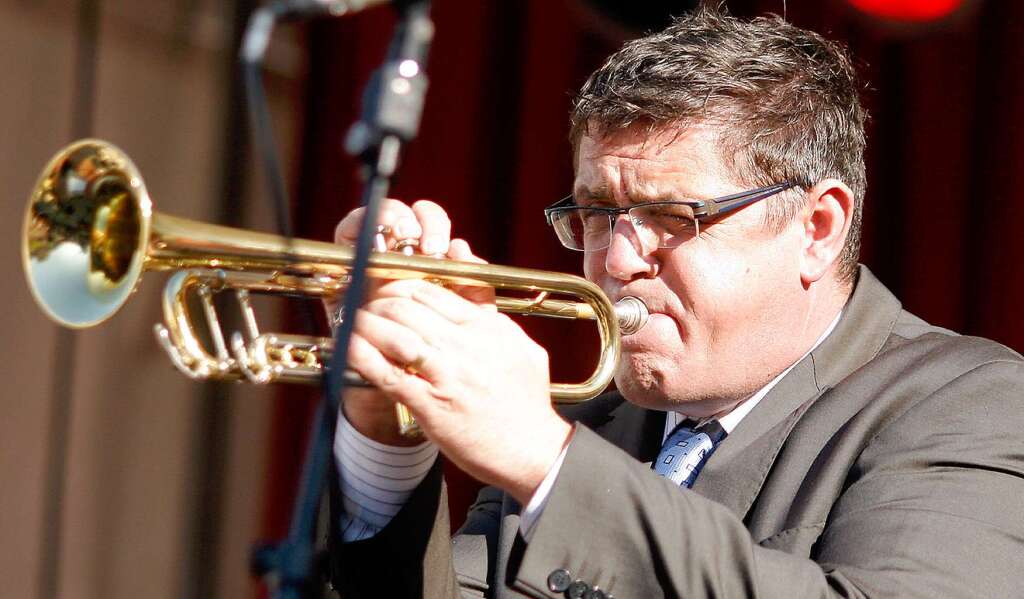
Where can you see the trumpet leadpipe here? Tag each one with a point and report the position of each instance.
(630, 312)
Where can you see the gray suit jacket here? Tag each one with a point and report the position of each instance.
(887, 463)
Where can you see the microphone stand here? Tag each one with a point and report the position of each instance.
(392, 106)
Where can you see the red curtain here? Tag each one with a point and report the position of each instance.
(945, 161)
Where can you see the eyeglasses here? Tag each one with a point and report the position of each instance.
(658, 224)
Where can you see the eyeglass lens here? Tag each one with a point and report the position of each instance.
(658, 225)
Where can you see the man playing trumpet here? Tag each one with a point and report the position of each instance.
(781, 426)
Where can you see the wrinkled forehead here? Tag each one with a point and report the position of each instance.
(640, 165)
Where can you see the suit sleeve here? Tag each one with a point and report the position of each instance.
(414, 556)
(410, 557)
(931, 508)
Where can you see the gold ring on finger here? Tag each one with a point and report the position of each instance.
(414, 367)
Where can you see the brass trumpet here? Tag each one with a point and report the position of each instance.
(90, 232)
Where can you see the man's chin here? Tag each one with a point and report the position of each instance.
(648, 388)
(642, 386)
(693, 407)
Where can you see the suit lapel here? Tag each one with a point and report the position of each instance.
(735, 473)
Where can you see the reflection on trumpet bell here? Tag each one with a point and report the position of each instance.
(86, 218)
(90, 233)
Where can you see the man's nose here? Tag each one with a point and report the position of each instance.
(627, 256)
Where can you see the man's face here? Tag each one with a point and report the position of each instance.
(725, 306)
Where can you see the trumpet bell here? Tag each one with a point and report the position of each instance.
(85, 233)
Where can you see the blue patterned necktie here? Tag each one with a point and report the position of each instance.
(686, 449)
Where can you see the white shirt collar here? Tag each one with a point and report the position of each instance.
(732, 419)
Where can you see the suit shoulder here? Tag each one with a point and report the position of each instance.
(964, 379)
(912, 335)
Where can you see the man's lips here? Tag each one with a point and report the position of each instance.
(654, 298)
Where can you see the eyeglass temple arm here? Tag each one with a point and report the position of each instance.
(739, 200)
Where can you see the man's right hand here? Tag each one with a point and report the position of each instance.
(369, 410)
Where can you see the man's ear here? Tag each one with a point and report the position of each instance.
(825, 224)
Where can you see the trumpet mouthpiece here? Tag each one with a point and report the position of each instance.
(632, 314)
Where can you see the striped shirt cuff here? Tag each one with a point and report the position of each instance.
(376, 479)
